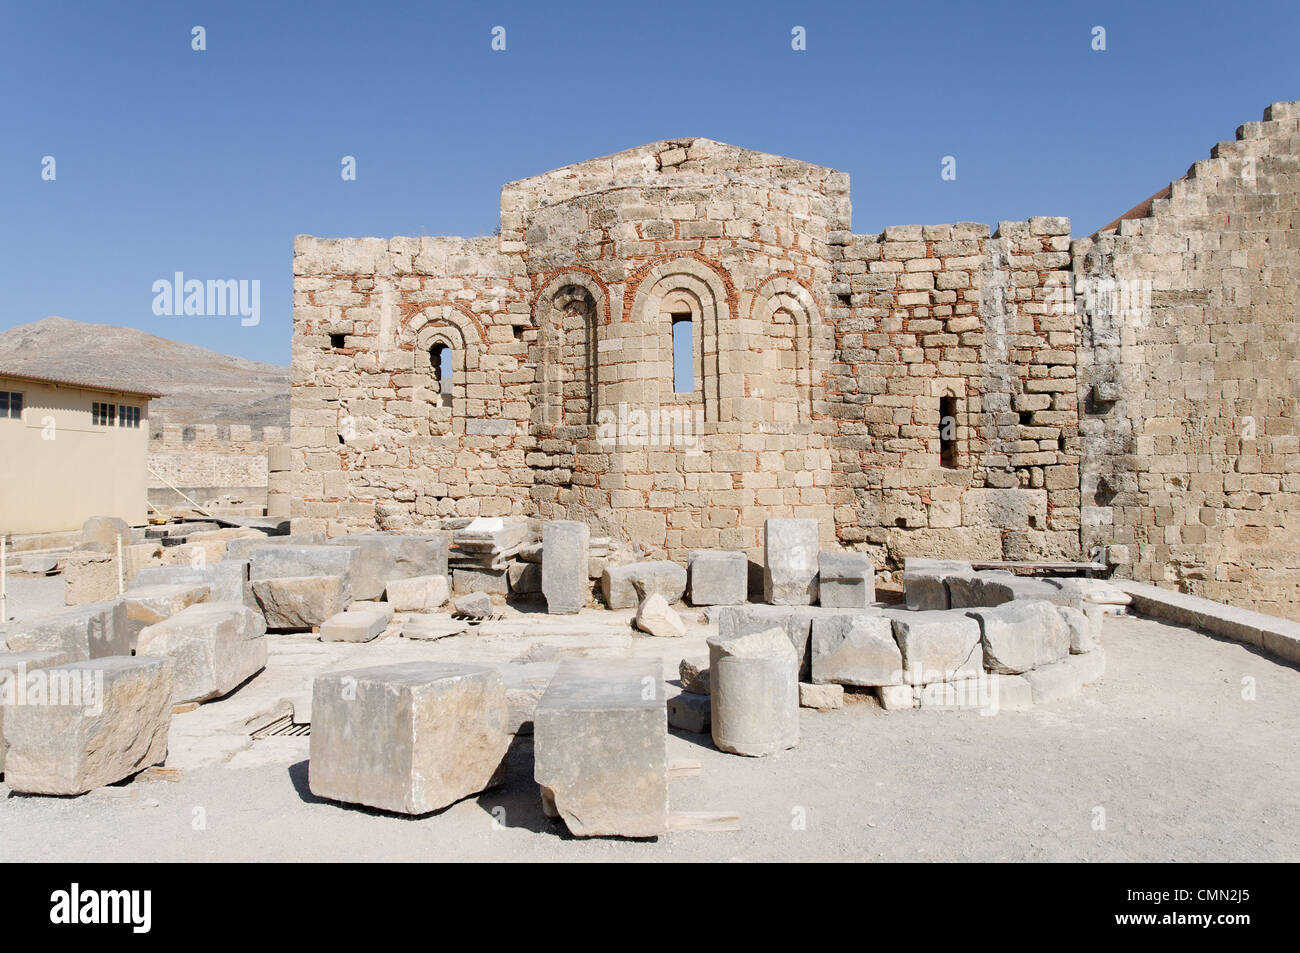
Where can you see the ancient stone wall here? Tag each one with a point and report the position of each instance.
(1189, 371)
(208, 462)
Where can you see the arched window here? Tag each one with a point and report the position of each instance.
(683, 353)
(440, 363)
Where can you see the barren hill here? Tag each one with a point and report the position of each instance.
(202, 386)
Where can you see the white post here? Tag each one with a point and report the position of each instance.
(4, 579)
(121, 569)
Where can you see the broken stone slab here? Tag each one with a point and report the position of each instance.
(38, 564)
(214, 647)
(1011, 693)
(564, 566)
(101, 533)
(383, 607)
(431, 628)
(897, 697)
(90, 631)
(149, 605)
(790, 550)
(524, 578)
(600, 742)
(754, 687)
(417, 593)
(297, 562)
(384, 557)
(109, 723)
(855, 650)
(656, 617)
(1063, 679)
(242, 549)
(1084, 630)
(690, 712)
(14, 684)
(965, 588)
(718, 577)
(299, 602)
(1017, 636)
(226, 580)
(694, 675)
(90, 577)
(480, 580)
(409, 738)
(619, 584)
(361, 625)
(821, 697)
(846, 580)
(937, 645)
(476, 605)
(924, 587)
(795, 621)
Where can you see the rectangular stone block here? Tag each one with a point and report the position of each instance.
(14, 669)
(790, 550)
(227, 580)
(90, 631)
(480, 580)
(618, 584)
(1019, 635)
(689, 712)
(214, 648)
(718, 577)
(846, 580)
(295, 562)
(147, 605)
(242, 549)
(299, 602)
(600, 744)
(795, 621)
(937, 646)
(409, 738)
(103, 720)
(357, 625)
(855, 650)
(923, 581)
(564, 565)
(387, 556)
(417, 594)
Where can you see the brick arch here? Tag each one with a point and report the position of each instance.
(712, 292)
(563, 357)
(455, 327)
(786, 308)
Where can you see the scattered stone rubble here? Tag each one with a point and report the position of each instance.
(413, 738)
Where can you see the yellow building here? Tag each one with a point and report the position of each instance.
(70, 450)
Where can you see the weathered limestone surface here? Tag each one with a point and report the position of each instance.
(475, 605)
(101, 533)
(214, 648)
(855, 650)
(227, 580)
(790, 551)
(600, 743)
(1084, 632)
(923, 581)
(387, 556)
(821, 697)
(619, 584)
(90, 631)
(937, 646)
(690, 712)
(417, 594)
(718, 577)
(299, 602)
(754, 691)
(295, 562)
(114, 725)
(355, 625)
(1050, 683)
(795, 621)
(14, 668)
(655, 616)
(564, 565)
(1020, 635)
(694, 675)
(242, 549)
(409, 738)
(846, 580)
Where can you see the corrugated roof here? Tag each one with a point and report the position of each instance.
(87, 385)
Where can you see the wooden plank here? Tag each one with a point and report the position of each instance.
(703, 821)
(1037, 566)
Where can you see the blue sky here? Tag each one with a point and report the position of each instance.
(208, 163)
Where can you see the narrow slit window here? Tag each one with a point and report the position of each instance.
(338, 340)
(440, 356)
(948, 432)
(683, 354)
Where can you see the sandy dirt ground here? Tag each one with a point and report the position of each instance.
(1164, 759)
